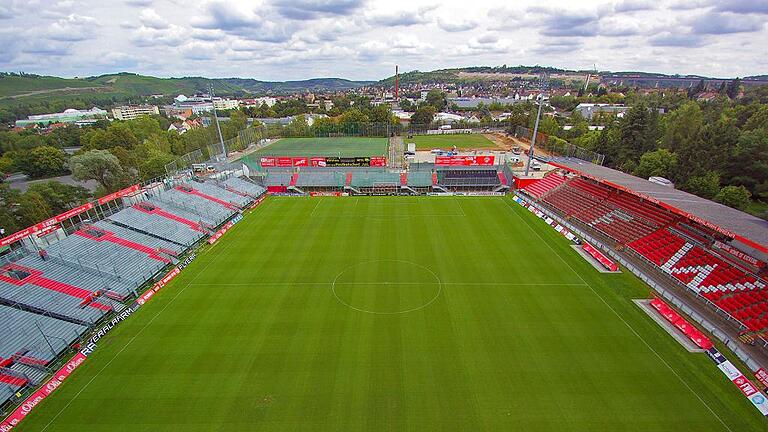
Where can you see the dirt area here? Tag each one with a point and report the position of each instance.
(507, 142)
(501, 140)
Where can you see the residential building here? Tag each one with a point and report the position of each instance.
(130, 112)
(225, 104)
(588, 110)
(258, 102)
(184, 126)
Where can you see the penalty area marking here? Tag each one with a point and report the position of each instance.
(414, 309)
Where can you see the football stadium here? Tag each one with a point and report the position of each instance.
(324, 284)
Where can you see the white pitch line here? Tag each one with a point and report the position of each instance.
(629, 326)
(312, 213)
(463, 213)
(385, 283)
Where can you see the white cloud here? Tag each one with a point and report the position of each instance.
(72, 28)
(454, 24)
(150, 18)
(363, 39)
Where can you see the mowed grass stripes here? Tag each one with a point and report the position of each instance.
(446, 314)
(338, 146)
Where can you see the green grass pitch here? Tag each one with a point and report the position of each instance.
(342, 147)
(446, 142)
(423, 314)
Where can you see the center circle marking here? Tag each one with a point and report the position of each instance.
(437, 282)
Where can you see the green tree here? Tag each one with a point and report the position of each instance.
(638, 132)
(237, 122)
(60, 197)
(733, 88)
(437, 99)
(683, 137)
(424, 115)
(588, 141)
(154, 165)
(44, 161)
(658, 163)
(579, 126)
(406, 105)
(748, 165)
(351, 118)
(102, 166)
(95, 139)
(758, 120)
(548, 125)
(683, 126)
(734, 196)
(380, 114)
(297, 127)
(32, 209)
(121, 134)
(7, 166)
(705, 186)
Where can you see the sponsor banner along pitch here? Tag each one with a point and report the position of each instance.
(290, 162)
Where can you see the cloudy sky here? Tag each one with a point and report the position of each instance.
(364, 39)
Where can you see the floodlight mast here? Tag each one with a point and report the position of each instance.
(543, 84)
(218, 127)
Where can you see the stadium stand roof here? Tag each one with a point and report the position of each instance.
(748, 229)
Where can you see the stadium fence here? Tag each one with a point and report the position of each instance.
(559, 147)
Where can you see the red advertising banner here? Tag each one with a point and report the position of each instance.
(47, 230)
(46, 223)
(326, 194)
(257, 202)
(745, 385)
(284, 162)
(217, 235)
(762, 376)
(35, 398)
(118, 194)
(17, 236)
(378, 161)
(465, 160)
(604, 260)
(66, 215)
(159, 285)
(373, 161)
